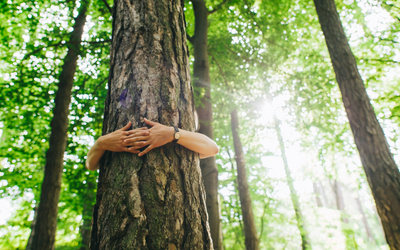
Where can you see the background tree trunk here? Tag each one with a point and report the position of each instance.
(380, 168)
(87, 212)
(250, 231)
(156, 201)
(30, 239)
(305, 240)
(46, 223)
(201, 73)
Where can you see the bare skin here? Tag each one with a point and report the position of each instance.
(125, 140)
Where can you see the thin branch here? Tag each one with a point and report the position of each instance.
(41, 48)
(259, 27)
(107, 6)
(381, 60)
(220, 71)
(189, 38)
(218, 7)
(59, 44)
(266, 205)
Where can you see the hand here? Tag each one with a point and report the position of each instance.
(158, 136)
(116, 141)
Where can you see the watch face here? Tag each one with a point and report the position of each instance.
(177, 136)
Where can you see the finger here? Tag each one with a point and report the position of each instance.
(135, 139)
(127, 126)
(137, 132)
(133, 151)
(138, 144)
(150, 123)
(145, 151)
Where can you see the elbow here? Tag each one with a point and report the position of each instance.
(212, 151)
(215, 150)
(91, 166)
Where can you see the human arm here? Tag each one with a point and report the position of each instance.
(114, 142)
(160, 135)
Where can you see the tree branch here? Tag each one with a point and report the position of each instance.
(220, 71)
(61, 43)
(189, 38)
(218, 7)
(41, 48)
(107, 6)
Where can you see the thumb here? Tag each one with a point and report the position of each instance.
(150, 123)
(127, 126)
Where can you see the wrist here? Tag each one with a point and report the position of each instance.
(100, 143)
(171, 132)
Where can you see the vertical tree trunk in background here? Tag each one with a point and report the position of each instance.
(370, 235)
(340, 206)
(379, 166)
(156, 201)
(30, 239)
(250, 231)
(201, 80)
(317, 194)
(305, 240)
(46, 224)
(339, 200)
(87, 212)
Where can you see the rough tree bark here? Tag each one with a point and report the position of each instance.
(156, 201)
(250, 231)
(305, 239)
(46, 223)
(201, 74)
(379, 166)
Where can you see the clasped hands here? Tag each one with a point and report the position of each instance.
(125, 140)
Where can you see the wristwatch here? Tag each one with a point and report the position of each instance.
(177, 134)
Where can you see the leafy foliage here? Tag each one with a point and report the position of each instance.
(257, 50)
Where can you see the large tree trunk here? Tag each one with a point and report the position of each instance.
(202, 81)
(379, 166)
(305, 240)
(46, 224)
(156, 201)
(250, 231)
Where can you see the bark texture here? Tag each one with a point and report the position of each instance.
(305, 239)
(46, 223)
(201, 73)
(156, 201)
(379, 166)
(250, 231)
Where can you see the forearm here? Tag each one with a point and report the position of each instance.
(198, 143)
(94, 156)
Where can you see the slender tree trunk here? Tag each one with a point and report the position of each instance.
(305, 240)
(46, 224)
(339, 200)
(201, 73)
(370, 235)
(318, 194)
(30, 239)
(351, 243)
(250, 231)
(156, 201)
(87, 212)
(379, 166)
